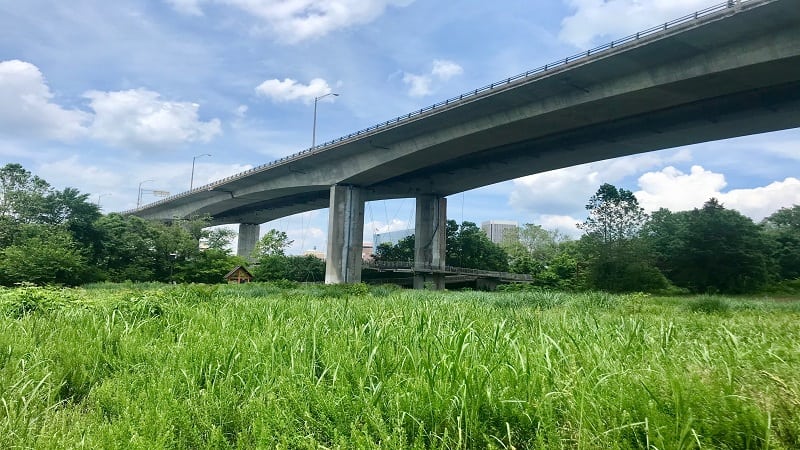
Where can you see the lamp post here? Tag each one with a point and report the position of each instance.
(99, 196)
(314, 130)
(194, 158)
(139, 198)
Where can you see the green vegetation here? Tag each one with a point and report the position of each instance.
(346, 366)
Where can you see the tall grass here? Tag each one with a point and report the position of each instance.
(130, 366)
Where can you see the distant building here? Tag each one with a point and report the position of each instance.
(497, 229)
(367, 251)
(392, 237)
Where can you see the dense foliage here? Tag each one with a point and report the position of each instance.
(257, 366)
(49, 236)
(59, 237)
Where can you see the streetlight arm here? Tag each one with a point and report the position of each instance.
(314, 129)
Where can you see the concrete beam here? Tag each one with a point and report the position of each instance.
(430, 241)
(345, 235)
(248, 237)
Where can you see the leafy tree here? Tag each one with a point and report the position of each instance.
(219, 239)
(22, 194)
(209, 266)
(305, 268)
(619, 260)
(712, 249)
(471, 248)
(783, 229)
(273, 243)
(402, 251)
(531, 247)
(44, 255)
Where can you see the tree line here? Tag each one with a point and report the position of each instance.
(50, 236)
(711, 249)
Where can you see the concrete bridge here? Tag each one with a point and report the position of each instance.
(730, 70)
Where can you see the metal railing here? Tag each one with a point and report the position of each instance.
(539, 72)
(411, 266)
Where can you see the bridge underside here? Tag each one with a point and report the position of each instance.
(733, 73)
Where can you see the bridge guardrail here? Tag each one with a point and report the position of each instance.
(436, 107)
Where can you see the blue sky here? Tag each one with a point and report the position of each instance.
(103, 95)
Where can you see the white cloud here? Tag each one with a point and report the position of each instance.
(566, 191)
(677, 191)
(73, 172)
(444, 70)
(421, 85)
(139, 118)
(26, 106)
(595, 21)
(564, 224)
(293, 21)
(289, 89)
(377, 226)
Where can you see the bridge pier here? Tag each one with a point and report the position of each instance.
(248, 237)
(345, 235)
(430, 234)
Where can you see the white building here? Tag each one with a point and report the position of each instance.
(497, 229)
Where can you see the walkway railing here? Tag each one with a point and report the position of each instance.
(411, 266)
(539, 72)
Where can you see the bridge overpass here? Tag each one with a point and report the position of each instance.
(730, 70)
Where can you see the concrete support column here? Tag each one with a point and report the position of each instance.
(345, 235)
(248, 237)
(430, 234)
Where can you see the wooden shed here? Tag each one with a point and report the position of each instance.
(239, 275)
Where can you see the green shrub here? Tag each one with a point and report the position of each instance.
(709, 304)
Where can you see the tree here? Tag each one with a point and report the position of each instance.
(22, 194)
(530, 248)
(469, 247)
(273, 243)
(711, 249)
(782, 228)
(402, 251)
(43, 255)
(219, 239)
(619, 261)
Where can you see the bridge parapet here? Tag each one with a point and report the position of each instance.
(730, 6)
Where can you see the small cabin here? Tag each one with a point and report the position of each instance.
(239, 275)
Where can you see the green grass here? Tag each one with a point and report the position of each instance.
(266, 366)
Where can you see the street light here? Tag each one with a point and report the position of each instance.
(139, 198)
(191, 180)
(314, 130)
(99, 196)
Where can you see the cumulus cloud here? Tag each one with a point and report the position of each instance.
(289, 89)
(139, 118)
(564, 224)
(444, 70)
(594, 21)
(27, 107)
(298, 20)
(71, 171)
(420, 85)
(565, 191)
(678, 191)
(377, 226)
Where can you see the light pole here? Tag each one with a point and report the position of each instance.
(191, 180)
(99, 196)
(314, 130)
(139, 198)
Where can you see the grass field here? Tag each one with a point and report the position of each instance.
(263, 366)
